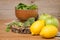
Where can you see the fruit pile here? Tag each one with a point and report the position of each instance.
(46, 26)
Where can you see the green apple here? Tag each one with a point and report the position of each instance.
(49, 19)
(44, 17)
(52, 21)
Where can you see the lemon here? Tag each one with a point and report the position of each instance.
(36, 27)
(49, 31)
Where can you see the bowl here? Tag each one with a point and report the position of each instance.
(23, 15)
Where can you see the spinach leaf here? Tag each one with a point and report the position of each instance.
(22, 6)
(32, 7)
(29, 22)
(8, 28)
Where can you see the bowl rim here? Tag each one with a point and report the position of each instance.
(30, 9)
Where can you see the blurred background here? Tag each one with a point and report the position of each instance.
(7, 7)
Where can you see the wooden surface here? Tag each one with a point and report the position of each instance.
(14, 36)
(7, 12)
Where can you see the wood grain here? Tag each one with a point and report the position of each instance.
(15, 36)
(7, 7)
(7, 12)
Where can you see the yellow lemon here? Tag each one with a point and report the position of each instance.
(49, 31)
(37, 26)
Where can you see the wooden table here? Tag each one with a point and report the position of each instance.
(7, 11)
(14, 36)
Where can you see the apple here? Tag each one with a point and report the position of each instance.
(52, 21)
(49, 19)
(44, 16)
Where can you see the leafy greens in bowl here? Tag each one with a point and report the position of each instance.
(22, 6)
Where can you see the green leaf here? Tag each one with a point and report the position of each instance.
(31, 20)
(32, 7)
(27, 23)
(20, 24)
(8, 29)
(22, 6)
